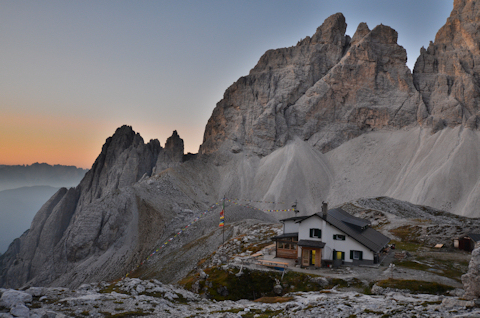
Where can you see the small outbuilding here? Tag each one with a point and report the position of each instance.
(467, 242)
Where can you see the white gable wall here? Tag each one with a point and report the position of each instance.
(328, 231)
(290, 227)
(343, 246)
(313, 222)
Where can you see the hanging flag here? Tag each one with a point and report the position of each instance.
(222, 218)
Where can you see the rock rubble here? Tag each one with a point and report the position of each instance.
(134, 297)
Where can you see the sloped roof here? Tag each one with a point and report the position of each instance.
(311, 243)
(294, 218)
(350, 225)
(474, 236)
(284, 235)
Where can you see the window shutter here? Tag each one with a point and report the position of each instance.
(361, 256)
(311, 232)
(351, 254)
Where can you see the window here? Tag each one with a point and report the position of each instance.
(286, 246)
(356, 255)
(338, 255)
(316, 233)
(339, 237)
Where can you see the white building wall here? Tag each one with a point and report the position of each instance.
(343, 246)
(290, 227)
(313, 222)
(328, 231)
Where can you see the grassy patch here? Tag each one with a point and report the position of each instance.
(271, 300)
(251, 284)
(415, 286)
(354, 283)
(139, 312)
(451, 269)
(407, 233)
(112, 288)
(442, 267)
(413, 265)
(406, 245)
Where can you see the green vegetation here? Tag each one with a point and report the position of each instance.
(253, 313)
(406, 245)
(139, 312)
(439, 266)
(415, 286)
(271, 300)
(255, 284)
(407, 233)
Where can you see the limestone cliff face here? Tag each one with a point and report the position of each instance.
(447, 73)
(102, 215)
(327, 89)
(370, 88)
(252, 112)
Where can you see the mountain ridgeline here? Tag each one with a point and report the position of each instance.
(39, 174)
(334, 118)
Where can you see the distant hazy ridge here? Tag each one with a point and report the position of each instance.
(12, 177)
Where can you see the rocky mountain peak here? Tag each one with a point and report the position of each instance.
(362, 31)
(332, 31)
(174, 142)
(447, 73)
(326, 90)
(460, 30)
(383, 34)
(172, 154)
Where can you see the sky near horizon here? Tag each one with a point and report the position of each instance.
(74, 71)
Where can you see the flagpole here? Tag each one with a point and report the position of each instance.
(223, 227)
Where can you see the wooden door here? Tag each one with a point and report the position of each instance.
(305, 257)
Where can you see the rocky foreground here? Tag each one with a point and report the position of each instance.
(135, 297)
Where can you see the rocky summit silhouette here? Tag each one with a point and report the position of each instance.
(332, 118)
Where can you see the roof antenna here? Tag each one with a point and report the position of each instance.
(294, 206)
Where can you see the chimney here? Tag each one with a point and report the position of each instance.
(324, 209)
(294, 206)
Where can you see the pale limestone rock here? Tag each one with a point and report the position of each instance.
(252, 112)
(326, 90)
(471, 280)
(12, 297)
(20, 310)
(447, 72)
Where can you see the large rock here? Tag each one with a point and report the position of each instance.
(447, 73)
(252, 111)
(103, 213)
(471, 280)
(327, 89)
(11, 297)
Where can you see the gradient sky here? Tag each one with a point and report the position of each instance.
(71, 72)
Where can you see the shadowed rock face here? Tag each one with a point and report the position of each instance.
(327, 89)
(102, 211)
(252, 113)
(447, 73)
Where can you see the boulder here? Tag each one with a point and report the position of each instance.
(471, 280)
(20, 310)
(11, 297)
(277, 289)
